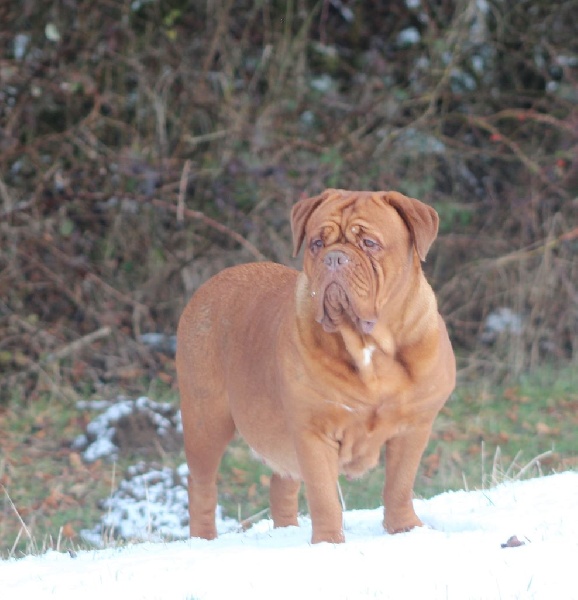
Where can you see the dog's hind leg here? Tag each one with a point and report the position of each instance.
(284, 500)
(208, 428)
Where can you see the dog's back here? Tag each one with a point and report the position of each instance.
(229, 317)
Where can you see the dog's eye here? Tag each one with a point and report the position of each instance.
(369, 243)
(316, 244)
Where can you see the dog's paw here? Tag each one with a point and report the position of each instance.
(332, 537)
(205, 533)
(401, 526)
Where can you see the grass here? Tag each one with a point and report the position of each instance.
(487, 430)
(47, 492)
(485, 434)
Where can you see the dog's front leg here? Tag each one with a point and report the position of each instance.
(318, 460)
(402, 457)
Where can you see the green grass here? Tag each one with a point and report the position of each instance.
(484, 435)
(488, 433)
(47, 493)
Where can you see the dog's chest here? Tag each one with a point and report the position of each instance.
(362, 432)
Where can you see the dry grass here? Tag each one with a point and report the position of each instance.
(154, 143)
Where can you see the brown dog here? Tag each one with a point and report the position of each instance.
(318, 369)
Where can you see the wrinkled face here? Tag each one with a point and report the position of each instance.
(356, 249)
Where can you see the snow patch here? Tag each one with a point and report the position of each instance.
(103, 431)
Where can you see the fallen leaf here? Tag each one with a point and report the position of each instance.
(56, 499)
(457, 457)
(503, 438)
(75, 461)
(129, 373)
(543, 429)
(68, 531)
(165, 377)
(474, 450)
(513, 542)
(239, 475)
(511, 393)
(450, 435)
(432, 463)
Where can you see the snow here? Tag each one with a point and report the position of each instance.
(458, 555)
(98, 443)
(149, 504)
(408, 36)
(465, 550)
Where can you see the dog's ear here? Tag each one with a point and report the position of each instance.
(300, 214)
(421, 219)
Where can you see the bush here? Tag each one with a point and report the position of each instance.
(144, 146)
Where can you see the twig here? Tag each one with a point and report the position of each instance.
(195, 214)
(496, 465)
(24, 526)
(79, 343)
(19, 207)
(15, 544)
(535, 460)
(5, 195)
(244, 523)
(39, 367)
(528, 252)
(488, 264)
(483, 459)
(206, 137)
(108, 536)
(71, 262)
(222, 13)
(530, 164)
(341, 498)
(182, 191)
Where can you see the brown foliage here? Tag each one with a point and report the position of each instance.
(145, 145)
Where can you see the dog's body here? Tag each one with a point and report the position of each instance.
(318, 369)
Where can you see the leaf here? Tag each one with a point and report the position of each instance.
(68, 531)
(457, 457)
(513, 542)
(474, 449)
(165, 377)
(239, 475)
(432, 463)
(75, 461)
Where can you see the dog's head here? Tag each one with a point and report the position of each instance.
(359, 246)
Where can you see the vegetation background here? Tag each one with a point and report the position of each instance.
(146, 144)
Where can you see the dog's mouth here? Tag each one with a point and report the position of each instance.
(335, 308)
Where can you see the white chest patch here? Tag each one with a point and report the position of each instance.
(367, 354)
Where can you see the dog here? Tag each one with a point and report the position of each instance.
(319, 369)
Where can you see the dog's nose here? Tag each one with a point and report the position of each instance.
(335, 259)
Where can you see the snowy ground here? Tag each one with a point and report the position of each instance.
(460, 556)
(519, 540)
